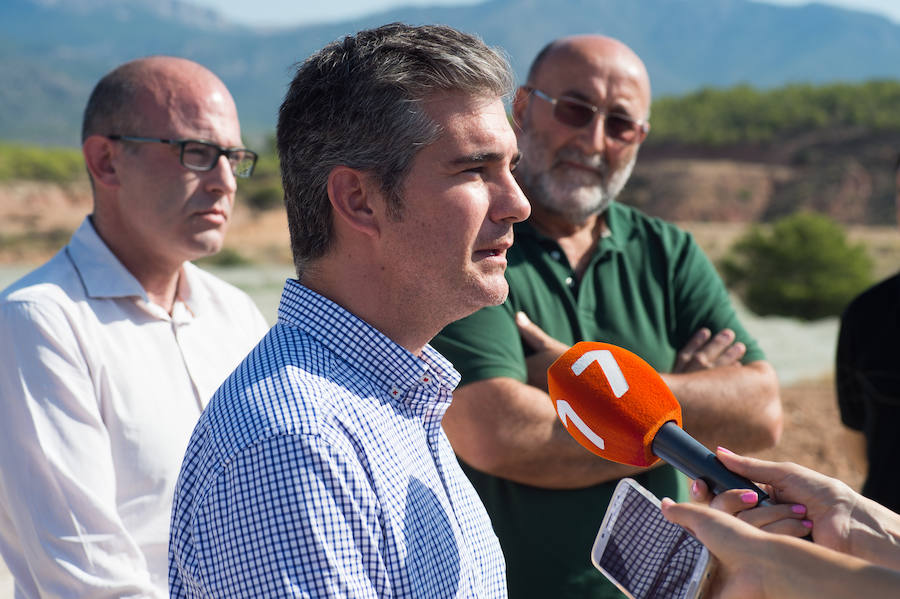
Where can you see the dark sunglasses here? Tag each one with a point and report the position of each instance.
(199, 155)
(577, 114)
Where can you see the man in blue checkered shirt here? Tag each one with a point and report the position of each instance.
(320, 468)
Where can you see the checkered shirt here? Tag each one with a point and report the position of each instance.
(320, 469)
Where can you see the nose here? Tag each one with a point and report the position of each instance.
(591, 138)
(220, 179)
(510, 205)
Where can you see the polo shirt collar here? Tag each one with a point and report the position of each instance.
(365, 349)
(104, 276)
(100, 271)
(618, 222)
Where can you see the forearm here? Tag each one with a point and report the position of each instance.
(753, 563)
(509, 429)
(874, 534)
(735, 406)
(800, 569)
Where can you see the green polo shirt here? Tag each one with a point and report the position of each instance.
(648, 288)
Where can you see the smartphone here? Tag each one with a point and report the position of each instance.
(644, 554)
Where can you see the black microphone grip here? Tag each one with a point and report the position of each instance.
(673, 445)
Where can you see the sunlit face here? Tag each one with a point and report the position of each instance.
(172, 213)
(460, 201)
(576, 172)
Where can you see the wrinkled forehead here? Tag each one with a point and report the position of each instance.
(601, 76)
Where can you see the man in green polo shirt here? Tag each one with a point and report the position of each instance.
(587, 268)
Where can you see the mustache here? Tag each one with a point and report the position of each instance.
(593, 161)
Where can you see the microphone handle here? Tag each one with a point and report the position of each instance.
(673, 445)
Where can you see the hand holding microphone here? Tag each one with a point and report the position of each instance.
(618, 407)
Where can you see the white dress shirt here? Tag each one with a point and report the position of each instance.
(99, 392)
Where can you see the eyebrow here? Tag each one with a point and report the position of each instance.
(483, 157)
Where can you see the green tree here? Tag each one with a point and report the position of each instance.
(803, 267)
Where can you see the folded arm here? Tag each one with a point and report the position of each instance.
(509, 429)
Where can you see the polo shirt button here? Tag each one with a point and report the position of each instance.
(570, 281)
(555, 254)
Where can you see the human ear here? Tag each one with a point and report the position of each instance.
(99, 153)
(352, 195)
(519, 104)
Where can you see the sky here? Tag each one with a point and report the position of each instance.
(286, 13)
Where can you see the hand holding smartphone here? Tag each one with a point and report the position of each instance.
(644, 554)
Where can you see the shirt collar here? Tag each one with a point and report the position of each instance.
(618, 221)
(360, 345)
(100, 271)
(104, 276)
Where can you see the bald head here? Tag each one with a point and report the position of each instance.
(150, 93)
(595, 55)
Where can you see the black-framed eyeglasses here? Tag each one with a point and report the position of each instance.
(577, 114)
(199, 155)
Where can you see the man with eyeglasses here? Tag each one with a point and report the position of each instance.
(585, 267)
(111, 350)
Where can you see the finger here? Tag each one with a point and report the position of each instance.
(686, 354)
(791, 527)
(700, 492)
(533, 335)
(701, 521)
(732, 354)
(714, 348)
(734, 501)
(769, 515)
(697, 341)
(773, 475)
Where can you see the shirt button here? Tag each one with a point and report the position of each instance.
(570, 281)
(395, 392)
(555, 254)
(426, 379)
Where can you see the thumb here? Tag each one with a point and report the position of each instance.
(713, 528)
(533, 335)
(753, 468)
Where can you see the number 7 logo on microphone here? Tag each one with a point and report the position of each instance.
(611, 401)
(614, 377)
(608, 365)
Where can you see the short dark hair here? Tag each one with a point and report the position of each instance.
(358, 102)
(110, 108)
(536, 63)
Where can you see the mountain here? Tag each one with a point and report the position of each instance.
(53, 51)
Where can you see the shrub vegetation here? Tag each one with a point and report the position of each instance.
(802, 267)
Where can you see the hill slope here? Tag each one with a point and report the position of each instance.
(54, 50)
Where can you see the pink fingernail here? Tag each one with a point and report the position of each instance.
(749, 497)
(807, 523)
(725, 450)
(798, 509)
(695, 488)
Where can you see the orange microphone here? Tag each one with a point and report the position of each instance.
(617, 406)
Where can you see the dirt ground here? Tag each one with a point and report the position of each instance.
(813, 433)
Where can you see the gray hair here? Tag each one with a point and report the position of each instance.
(359, 102)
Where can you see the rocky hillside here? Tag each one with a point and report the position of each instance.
(846, 173)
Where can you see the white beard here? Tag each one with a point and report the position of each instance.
(572, 193)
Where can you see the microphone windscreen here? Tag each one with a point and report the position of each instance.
(611, 401)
